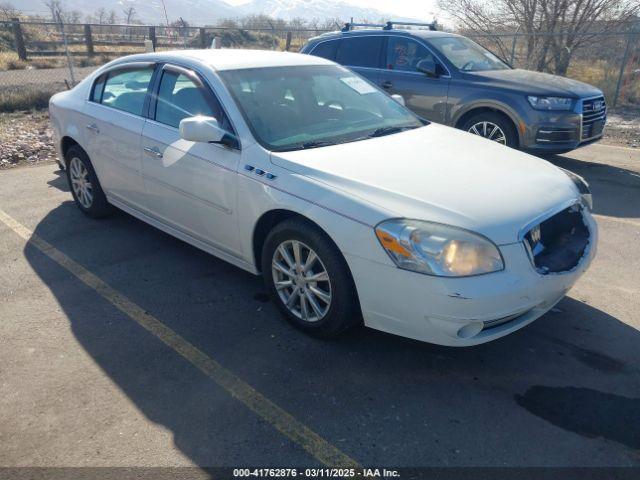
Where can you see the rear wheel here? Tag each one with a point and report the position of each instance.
(84, 184)
(492, 126)
(308, 279)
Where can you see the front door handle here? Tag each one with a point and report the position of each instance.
(153, 151)
(93, 127)
(388, 84)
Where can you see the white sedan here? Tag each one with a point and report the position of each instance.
(352, 208)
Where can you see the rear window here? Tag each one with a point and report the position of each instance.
(360, 52)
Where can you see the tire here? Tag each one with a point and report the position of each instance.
(343, 309)
(491, 118)
(88, 194)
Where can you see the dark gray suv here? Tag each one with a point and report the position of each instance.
(450, 79)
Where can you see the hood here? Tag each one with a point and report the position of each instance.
(536, 83)
(440, 174)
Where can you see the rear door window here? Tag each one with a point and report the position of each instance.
(360, 51)
(126, 89)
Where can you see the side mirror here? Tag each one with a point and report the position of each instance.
(398, 98)
(428, 66)
(201, 129)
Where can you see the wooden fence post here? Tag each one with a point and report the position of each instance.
(287, 45)
(88, 39)
(203, 38)
(152, 37)
(17, 33)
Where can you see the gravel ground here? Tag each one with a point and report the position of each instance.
(25, 137)
(623, 128)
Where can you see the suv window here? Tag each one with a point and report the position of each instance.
(124, 89)
(360, 52)
(326, 50)
(403, 54)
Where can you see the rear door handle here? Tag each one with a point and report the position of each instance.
(153, 151)
(387, 84)
(93, 127)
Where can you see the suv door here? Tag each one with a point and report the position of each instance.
(427, 96)
(114, 127)
(190, 185)
(362, 54)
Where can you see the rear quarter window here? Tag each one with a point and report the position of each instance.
(326, 49)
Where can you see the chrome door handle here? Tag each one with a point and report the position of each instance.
(387, 84)
(93, 127)
(153, 151)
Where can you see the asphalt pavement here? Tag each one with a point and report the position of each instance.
(122, 346)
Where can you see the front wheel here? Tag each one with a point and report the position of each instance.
(492, 126)
(309, 280)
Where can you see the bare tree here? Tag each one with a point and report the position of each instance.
(553, 29)
(112, 18)
(55, 8)
(8, 11)
(101, 15)
(129, 15)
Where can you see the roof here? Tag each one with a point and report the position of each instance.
(233, 59)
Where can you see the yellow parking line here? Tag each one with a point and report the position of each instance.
(626, 221)
(254, 400)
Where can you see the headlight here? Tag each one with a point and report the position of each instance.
(550, 103)
(437, 249)
(583, 188)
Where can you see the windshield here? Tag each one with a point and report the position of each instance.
(467, 55)
(290, 108)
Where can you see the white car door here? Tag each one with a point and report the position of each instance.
(114, 122)
(190, 186)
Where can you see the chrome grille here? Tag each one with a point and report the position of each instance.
(594, 116)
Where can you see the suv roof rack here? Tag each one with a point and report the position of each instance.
(389, 25)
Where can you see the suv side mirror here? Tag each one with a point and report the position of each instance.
(207, 130)
(428, 66)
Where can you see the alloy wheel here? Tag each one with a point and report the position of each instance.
(301, 280)
(490, 131)
(80, 183)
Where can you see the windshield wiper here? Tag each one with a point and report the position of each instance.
(319, 143)
(382, 131)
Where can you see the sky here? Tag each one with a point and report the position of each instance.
(424, 9)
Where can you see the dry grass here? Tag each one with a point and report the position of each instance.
(10, 61)
(27, 97)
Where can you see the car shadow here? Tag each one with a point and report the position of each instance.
(60, 181)
(616, 191)
(381, 399)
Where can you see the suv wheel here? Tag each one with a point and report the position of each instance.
(492, 126)
(309, 280)
(84, 184)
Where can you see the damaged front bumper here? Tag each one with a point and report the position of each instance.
(466, 311)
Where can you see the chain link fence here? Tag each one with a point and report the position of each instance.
(40, 58)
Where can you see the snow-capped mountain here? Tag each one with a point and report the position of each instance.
(310, 9)
(203, 12)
